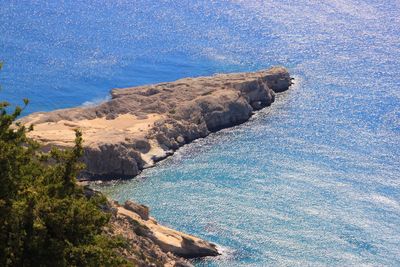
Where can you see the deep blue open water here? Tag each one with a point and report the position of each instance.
(312, 181)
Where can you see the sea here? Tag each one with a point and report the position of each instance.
(313, 180)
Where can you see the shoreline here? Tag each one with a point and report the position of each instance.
(143, 125)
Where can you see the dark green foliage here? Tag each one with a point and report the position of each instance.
(45, 217)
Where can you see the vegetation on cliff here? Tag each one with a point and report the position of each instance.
(46, 219)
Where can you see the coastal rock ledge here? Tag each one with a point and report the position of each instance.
(150, 244)
(142, 125)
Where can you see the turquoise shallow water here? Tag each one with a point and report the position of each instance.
(313, 180)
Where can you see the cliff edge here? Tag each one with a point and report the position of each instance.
(145, 241)
(151, 244)
(142, 125)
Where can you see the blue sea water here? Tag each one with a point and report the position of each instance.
(312, 181)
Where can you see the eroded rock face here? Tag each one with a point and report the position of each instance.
(157, 242)
(141, 210)
(139, 249)
(147, 243)
(144, 124)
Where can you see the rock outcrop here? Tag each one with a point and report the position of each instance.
(169, 240)
(146, 242)
(142, 125)
(151, 244)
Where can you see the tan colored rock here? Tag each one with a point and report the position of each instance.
(167, 239)
(139, 249)
(141, 210)
(142, 125)
(148, 243)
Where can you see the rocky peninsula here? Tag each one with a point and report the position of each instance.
(142, 125)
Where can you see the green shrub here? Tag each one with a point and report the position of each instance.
(45, 217)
